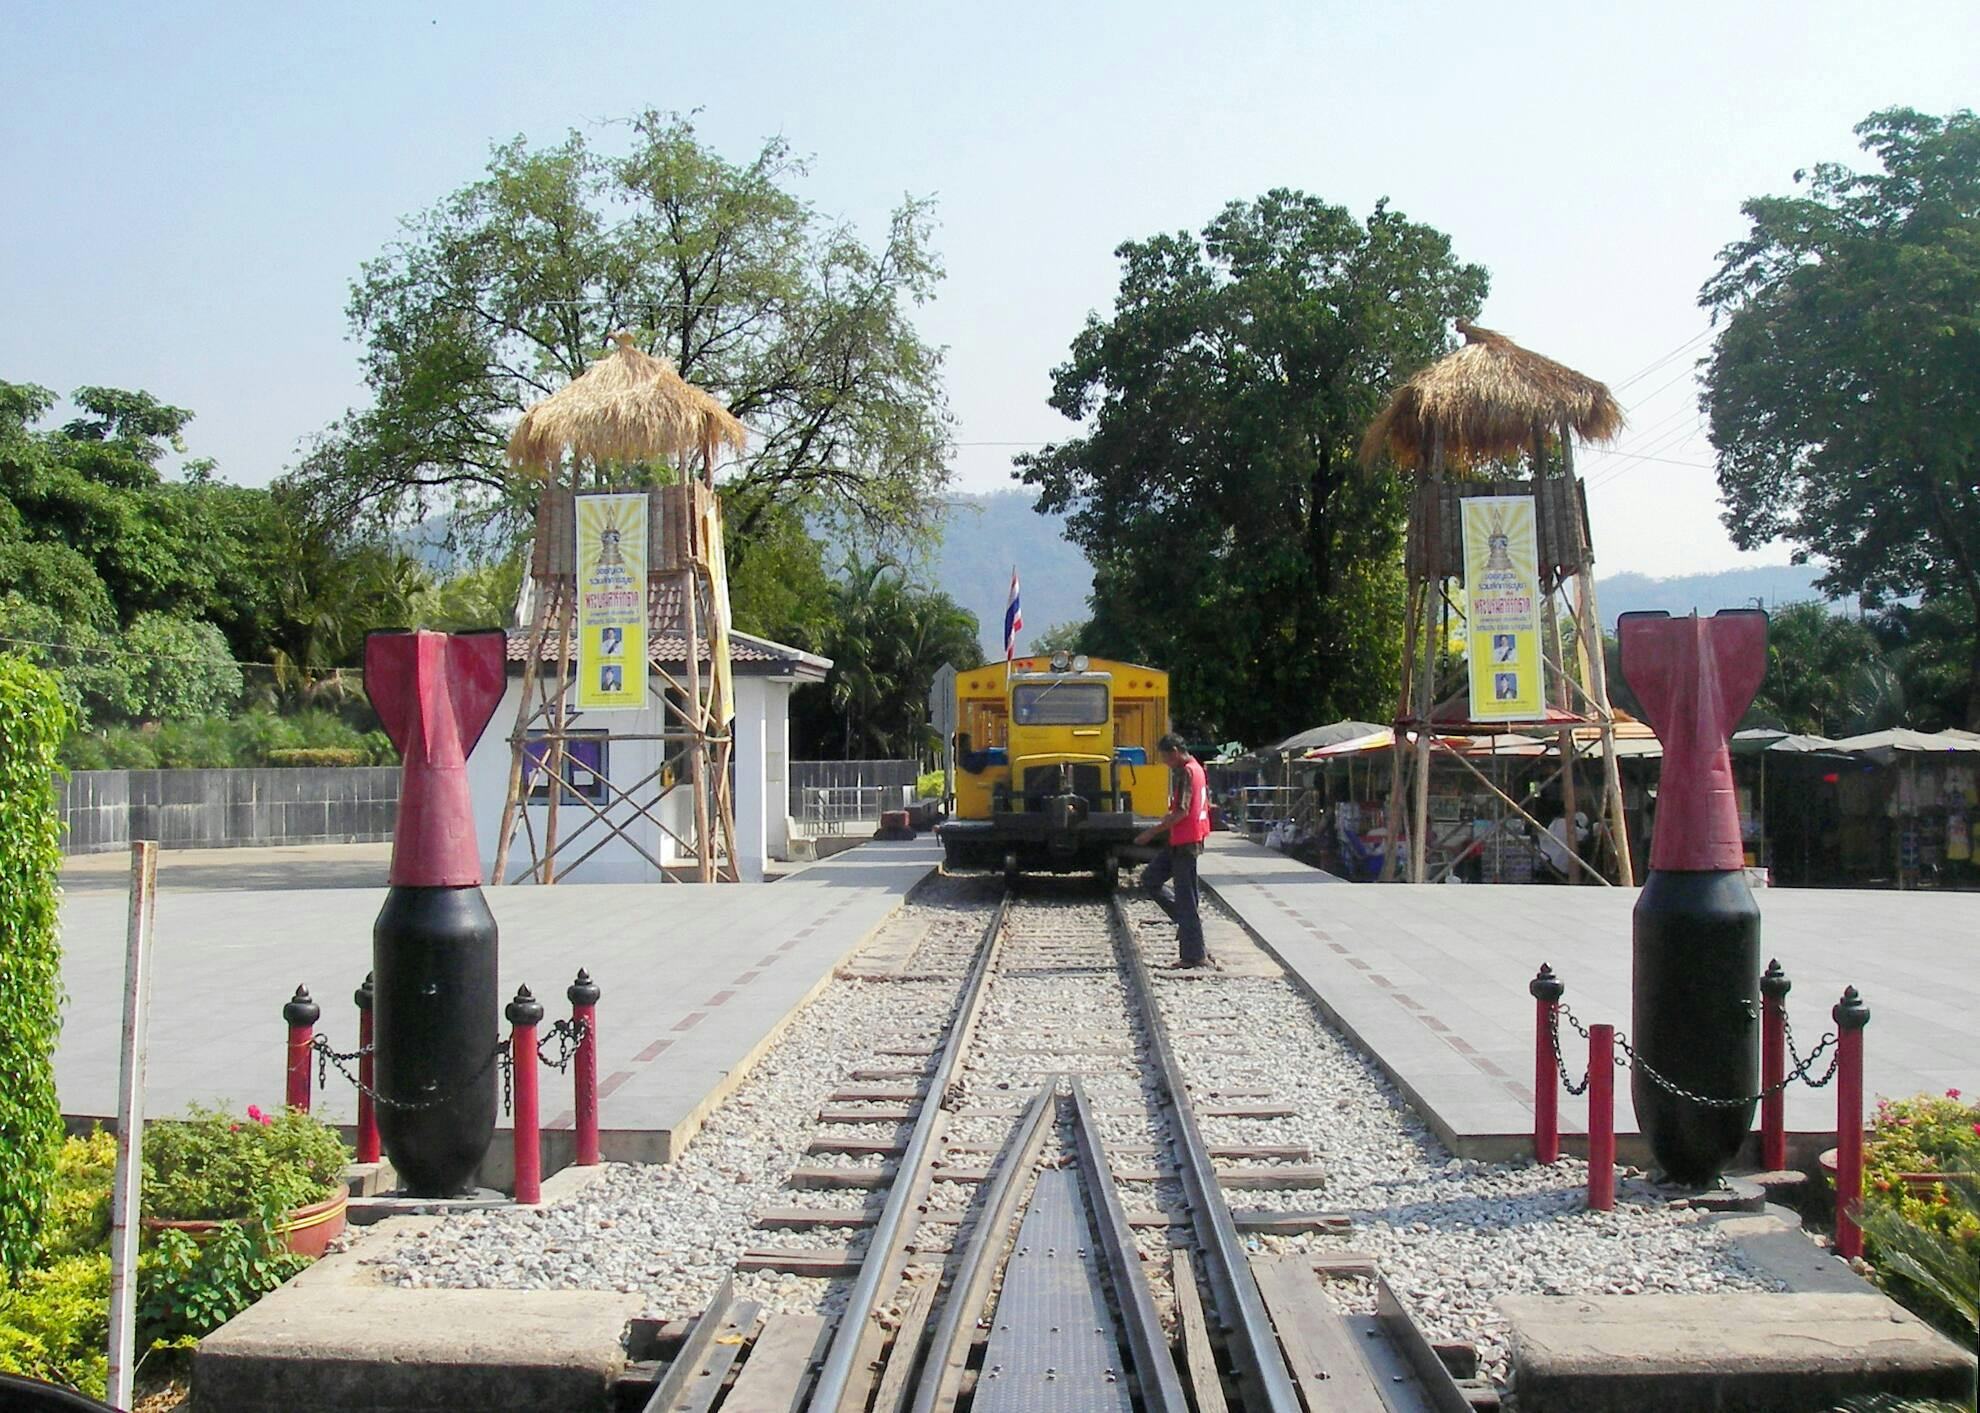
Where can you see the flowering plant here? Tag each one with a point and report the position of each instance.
(1921, 1205)
(218, 1166)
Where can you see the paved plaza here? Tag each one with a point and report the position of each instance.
(697, 981)
(1432, 980)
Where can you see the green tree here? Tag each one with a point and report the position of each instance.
(179, 670)
(33, 721)
(1930, 645)
(1061, 637)
(1825, 675)
(1844, 385)
(779, 587)
(513, 285)
(1233, 539)
(887, 641)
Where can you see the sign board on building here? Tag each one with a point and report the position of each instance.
(611, 602)
(942, 717)
(1502, 609)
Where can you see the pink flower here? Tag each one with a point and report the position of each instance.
(254, 1112)
(1952, 1094)
(1976, 1130)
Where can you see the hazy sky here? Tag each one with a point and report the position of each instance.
(189, 189)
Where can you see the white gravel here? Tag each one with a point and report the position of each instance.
(671, 1232)
(1451, 1235)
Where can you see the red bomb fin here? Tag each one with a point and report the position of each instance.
(1695, 678)
(434, 694)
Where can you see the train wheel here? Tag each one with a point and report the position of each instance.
(1109, 872)
(1011, 872)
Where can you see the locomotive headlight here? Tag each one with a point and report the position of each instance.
(1079, 663)
(1061, 661)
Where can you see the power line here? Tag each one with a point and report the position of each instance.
(80, 650)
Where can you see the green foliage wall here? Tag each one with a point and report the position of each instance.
(33, 720)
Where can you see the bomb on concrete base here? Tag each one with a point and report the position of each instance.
(1695, 1014)
(434, 948)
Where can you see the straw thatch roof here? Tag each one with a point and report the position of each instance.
(628, 406)
(1485, 400)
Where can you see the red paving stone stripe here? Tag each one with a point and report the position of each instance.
(748, 976)
(650, 1051)
(691, 1020)
(719, 998)
(613, 1081)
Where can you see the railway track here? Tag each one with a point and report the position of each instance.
(1044, 1224)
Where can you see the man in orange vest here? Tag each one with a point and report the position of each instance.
(1187, 825)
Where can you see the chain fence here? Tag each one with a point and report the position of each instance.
(1628, 1059)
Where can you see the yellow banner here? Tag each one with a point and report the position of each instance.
(1502, 609)
(611, 602)
(722, 703)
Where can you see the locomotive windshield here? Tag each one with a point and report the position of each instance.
(1059, 703)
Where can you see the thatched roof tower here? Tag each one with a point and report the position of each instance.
(1489, 400)
(628, 406)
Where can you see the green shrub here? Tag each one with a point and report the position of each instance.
(929, 785)
(1923, 1239)
(216, 1166)
(254, 738)
(188, 1289)
(79, 1216)
(55, 1323)
(298, 756)
(33, 719)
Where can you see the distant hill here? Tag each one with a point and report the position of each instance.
(983, 537)
(1772, 584)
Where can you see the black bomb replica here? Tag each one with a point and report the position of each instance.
(433, 948)
(1696, 959)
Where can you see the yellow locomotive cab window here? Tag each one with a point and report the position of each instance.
(1059, 703)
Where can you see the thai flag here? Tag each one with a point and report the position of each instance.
(1013, 620)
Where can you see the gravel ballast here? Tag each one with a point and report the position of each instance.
(1450, 1235)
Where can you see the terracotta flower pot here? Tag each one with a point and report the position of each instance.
(1917, 1182)
(304, 1230)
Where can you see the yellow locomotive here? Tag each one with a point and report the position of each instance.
(1056, 769)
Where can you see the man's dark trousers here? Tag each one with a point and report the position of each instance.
(1178, 862)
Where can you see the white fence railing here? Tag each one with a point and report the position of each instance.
(844, 809)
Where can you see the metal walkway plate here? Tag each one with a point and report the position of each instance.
(1052, 1345)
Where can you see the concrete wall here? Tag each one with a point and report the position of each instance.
(217, 809)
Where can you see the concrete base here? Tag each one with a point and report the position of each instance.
(1756, 1353)
(334, 1339)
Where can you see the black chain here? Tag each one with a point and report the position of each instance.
(326, 1057)
(1554, 1030)
(1627, 1058)
(571, 1036)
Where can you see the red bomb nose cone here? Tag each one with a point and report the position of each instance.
(1695, 678)
(434, 692)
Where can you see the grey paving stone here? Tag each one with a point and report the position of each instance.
(226, 960)
(1459, 957)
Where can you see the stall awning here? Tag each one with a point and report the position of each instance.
(1886, 746)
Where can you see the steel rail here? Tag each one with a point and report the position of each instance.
(976, 1265)
(884, 1257)
(1161, 1387)
(1254, 1343)
(688, 1359)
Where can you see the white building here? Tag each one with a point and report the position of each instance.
(764, 675)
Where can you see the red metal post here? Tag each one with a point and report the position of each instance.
(301, 1014)
(1601, 1118)
(583, 994)
(367, 1111)
(1774, 988)
(1851, 1015)
(523, 1014)
(1546, 989)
